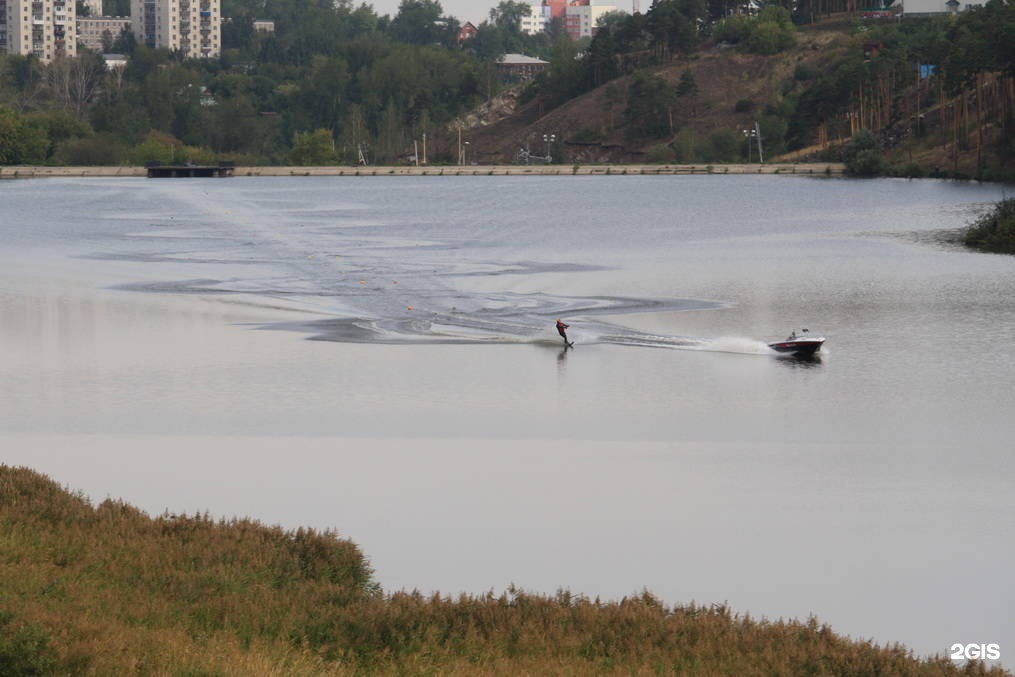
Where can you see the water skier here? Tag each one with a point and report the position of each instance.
(561, 329)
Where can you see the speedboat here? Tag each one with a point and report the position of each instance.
(800, 345)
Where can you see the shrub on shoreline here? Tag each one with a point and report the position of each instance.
(994, 231)
(862, 155)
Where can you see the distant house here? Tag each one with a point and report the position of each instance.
(466, 32)
(519, 66)
(264, 26)
(115, 61)
(207, 98)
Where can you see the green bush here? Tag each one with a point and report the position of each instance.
(648, 106)
(156, 147)
(804, 72)
(723, 146)
(863, 156)
(685, 146)
(92, 150)
(769, 37)
(660, 154)
(773, 134)
(687, 85)
(22, 141)
(24, 649)
(994, 231)
(734, 29)
(587, 135)
(312, 148)
(912, 171)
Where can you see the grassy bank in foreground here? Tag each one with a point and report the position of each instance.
(994, 231)
(108, 590)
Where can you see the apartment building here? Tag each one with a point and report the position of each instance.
(535, 21)
(193, 27)
(44, 28)
(555, 9)
(92, 28)
(581, 16)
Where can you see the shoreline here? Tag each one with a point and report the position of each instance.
(806, 169)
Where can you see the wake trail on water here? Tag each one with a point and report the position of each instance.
(368, 281)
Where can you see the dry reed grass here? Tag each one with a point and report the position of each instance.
(107, 590)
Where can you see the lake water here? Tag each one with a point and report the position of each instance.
(377, 355)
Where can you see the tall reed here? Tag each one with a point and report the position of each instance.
(108, 590)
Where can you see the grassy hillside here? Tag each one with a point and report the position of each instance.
(107, 590)
(734, 89)
(808, 100)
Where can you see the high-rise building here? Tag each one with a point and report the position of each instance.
(192, 27)
(558, 8)
(535, 21)
(582, 15)
(44, 28)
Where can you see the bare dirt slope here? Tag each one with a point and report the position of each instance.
(592, 128)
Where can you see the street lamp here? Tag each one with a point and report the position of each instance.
(465, 150)
(750, 135)
(754, 134)
(549, 140)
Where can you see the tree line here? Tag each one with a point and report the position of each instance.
(889, 71)
(333, 83)
(947, 76)
(337, 83)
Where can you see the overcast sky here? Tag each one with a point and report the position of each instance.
(475, 11)
(465, 10)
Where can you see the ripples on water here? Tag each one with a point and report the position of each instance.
(495, 260)
(359, 264)
(437, 260)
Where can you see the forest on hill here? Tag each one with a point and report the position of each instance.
(912, 97)
(686, 81)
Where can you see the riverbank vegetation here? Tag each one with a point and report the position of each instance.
(106, 589)
(995, 230)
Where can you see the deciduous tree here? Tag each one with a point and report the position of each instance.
(312, 148)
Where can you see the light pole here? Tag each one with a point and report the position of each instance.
(749, 134)
(465, 151)
(549, 139)
(757, 133)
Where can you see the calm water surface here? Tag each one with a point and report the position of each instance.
(378, 356)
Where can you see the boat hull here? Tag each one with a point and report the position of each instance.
(798, 347)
